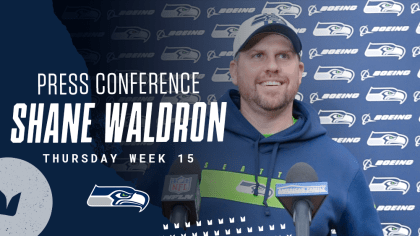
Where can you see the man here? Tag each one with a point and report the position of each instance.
(266, 133)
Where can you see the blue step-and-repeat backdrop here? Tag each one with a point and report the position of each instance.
(362, 75)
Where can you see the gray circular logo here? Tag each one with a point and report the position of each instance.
(28, 198)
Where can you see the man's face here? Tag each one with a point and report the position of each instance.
(268, 75)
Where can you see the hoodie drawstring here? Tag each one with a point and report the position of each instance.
(257, 171)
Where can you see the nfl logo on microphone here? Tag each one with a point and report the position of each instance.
(180, 185)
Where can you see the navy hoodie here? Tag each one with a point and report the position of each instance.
(232, 170)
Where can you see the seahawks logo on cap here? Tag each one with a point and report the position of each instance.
(333, 29)
(225, 31)
(130, 33)
(416, 51)
(386, 94)
(384, 50)
(365, 75)
(81, 13)
(268, 19)
(221, 75)
(180, 10)
(334, 73)
(415, 7)
(299, 96)
(175, 98)
(387, 139)
(391, 229)
(380, 6)
(110, 196)
(336, 117)
(389, 184)
(282, 8)
(416, 96)
(180, 54)
(90, 56)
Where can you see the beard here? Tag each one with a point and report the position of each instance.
(266, 101)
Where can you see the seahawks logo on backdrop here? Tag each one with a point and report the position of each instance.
(282, 8)
(417, 140)
(391, 229)
(387, 139)
(299, 96)
(81, 13)
(130, 33)
(221, 75)
(365, 75)
(381, 6)
(416, 51)
(416, 96)
(225, 31)
(389, 184)
(334, 73)
(333, 29)
(312, 10)
(367, 164)
(116, 196)
(175, 98)
(180, 54)
(248, 187)
(334, 117)
(386, 94)
(384, 50)
(90, 56)
(180, 10)
(415, 7)
(314, 53)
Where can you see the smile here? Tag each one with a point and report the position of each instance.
(271, 83)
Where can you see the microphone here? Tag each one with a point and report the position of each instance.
(181, 192)
(302, 195)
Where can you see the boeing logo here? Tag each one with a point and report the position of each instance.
(225, 31)
(389, 184)
(415, 7)
(365, 73)
(130, 33)
(333, 29)
(379, 6)
(367, 119)
(312, 9)
(212, 11)
(334, 73)
(334, 117)
(282, 8)
(387, 139)
(161, 33)
(396, 208)
(386, 94)
(384, 50)
(367, 163)
(212, 54)
(314, 53)
(417, 140)
(180, 10)
(111, 13)
(180, 54)
(416, 96)
(416, 51)
(221, 75)
(364, 29)
(314, 96)
(347, 140)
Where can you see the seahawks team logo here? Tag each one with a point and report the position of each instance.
(333, 29)
(336, 117)
(282, 8)
(175, 98)
(249, 187)
(225, 31)
(389, 184)
(90, 56)
(417, 140)
(299, 96)
(416, 96)
(221, 75)
(312, 10)
(415, 7)
(380, 6)
(391, 229)
(116, 196)
(334, 73)
(416, 51)
(180, 10)
(130, 33)
(365, 75)
(81, 13)
(180, 54)
(386, 94)
(384, 50)
(387, 139)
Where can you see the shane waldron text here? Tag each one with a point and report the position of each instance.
(115, 121)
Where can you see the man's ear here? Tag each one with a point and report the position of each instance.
(301, 68)
(233, 70)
